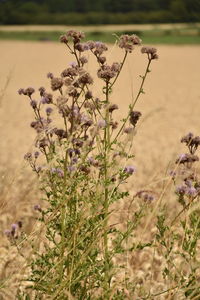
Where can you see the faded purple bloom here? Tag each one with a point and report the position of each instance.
(191, 191)
(101, 123)
(57, 171)
(50, 75)
(181, 190)
(112, 107)
(7, 233)
(147, 196)
(14, 227)
(129, 170)
(71, 168)
(49, 110)
(83, 59)
(42, 91)
(21, 91)
(150, 51)
(37, 207)
(33, 104)
(56, 83)
(127, 42)
(36, 154)
(173, 174)
(187, 158)
(29, 91)
(28, 156)
(134, 117)
(38, 169)
(128, 130)
(63, 39)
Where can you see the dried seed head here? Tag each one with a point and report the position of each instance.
(56, 83)
(42, 91)
(88, 95)
(50, 75)
(28, 156)
(102, 59)
(112, 107)
(21, 91)
(116, 67)
(127, 42)
(150, 51)
(63, 39)
(134, 117)
(61, 133)
(83, 60)
(29, 91)
(85, 79)
(106, 73)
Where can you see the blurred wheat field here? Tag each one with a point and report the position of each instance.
(170, 108)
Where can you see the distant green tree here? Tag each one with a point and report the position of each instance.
(179, 10)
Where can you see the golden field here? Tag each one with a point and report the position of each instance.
(170, 109)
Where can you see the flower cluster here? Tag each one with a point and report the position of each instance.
(127, 42)
(151, 52)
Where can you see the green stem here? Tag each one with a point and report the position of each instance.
(140, 91)
(106, 192)
(126, 53)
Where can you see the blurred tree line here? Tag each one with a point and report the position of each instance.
(81, 12)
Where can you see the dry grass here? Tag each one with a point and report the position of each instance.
(170, 109)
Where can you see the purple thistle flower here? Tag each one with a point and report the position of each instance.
(181, 190)
(191, 191)
(129, 170)
(49, 110)
(57, 171)
(101, 124)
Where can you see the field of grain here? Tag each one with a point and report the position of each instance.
(170, 108)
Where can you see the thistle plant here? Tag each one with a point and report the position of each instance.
(82, 162)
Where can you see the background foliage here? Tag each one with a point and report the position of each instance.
(80, 12)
